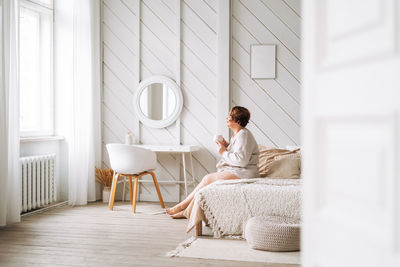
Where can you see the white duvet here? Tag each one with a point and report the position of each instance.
(227, 205)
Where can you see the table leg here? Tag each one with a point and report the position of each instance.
(178, 174)
(123, 191)
(191, 164)
(184, 172)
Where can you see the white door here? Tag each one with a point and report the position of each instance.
(351, 134)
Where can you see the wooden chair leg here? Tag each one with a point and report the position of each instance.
(113, 189)
(135, 194)
(158, 189)
(130, 190)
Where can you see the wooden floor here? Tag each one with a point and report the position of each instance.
(94, 236)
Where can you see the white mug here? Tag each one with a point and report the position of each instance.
(218, 137)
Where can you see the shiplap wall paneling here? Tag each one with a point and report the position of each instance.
(121, 77)
(274, 103)
(157, 54)
(198, 65)
(158, 57)
(223, 67)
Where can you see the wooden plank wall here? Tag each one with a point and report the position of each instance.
(275, 104)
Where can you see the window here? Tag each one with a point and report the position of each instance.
(36, 68)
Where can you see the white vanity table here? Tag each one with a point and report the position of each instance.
(179, 149)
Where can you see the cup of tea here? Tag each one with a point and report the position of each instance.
(218, 138)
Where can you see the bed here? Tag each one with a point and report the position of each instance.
(226, 206)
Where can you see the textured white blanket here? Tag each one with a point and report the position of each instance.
(227, 205)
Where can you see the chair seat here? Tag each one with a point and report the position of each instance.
(136, 168)
(130, 159)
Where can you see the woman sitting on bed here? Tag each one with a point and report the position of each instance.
(239, 158)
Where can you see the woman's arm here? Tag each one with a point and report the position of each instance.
(240, 153)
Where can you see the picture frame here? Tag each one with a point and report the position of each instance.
(263, 61)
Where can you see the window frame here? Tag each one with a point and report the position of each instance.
(37, 6)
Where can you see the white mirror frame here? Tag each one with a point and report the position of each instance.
(178, 96)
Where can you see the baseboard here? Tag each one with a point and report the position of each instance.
(46, 208)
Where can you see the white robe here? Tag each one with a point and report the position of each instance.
(241, 156)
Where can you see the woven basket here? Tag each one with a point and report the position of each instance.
(273, 233)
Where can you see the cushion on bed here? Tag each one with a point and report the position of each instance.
(296, 155)
(287, 166)
(268, 155)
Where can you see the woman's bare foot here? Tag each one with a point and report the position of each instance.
(174, 210)
(178, 215)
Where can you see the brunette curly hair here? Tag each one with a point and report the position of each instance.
(240, 115)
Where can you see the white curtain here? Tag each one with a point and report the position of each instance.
(84, 137)
(10, 190)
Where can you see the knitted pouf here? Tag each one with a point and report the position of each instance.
(273, 233)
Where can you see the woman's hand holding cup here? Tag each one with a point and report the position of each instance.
(220, 139)
(222, 147)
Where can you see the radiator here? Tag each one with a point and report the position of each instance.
(37, 180)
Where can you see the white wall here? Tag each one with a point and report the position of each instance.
(274, 104)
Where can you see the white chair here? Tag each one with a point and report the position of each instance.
(131, 162)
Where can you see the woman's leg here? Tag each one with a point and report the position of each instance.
(208, 179)
(183, 204)
(178, 215)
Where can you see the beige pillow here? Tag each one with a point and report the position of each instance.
(268, 155)
(285, 167)
(288, 156)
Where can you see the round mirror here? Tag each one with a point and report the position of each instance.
(158, 101)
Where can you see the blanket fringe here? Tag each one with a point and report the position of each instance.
(210, 218)
(181, 247)
(218, 233)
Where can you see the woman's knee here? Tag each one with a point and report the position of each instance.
(207, 179)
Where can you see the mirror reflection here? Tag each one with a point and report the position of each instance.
(157, 101)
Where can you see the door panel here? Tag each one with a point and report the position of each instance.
(351, 137)
(355, 30)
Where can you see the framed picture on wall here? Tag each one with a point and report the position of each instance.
(262, 61)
